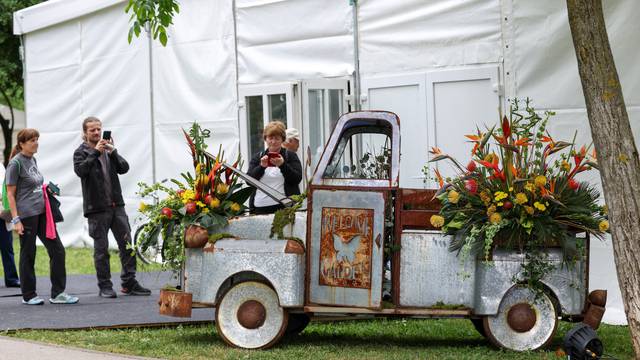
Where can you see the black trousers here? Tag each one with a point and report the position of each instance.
(8, 262)
(116, 220)
(36, 226)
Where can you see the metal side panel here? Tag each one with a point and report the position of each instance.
(259, 226)
(431, 274)
(346, 248)
(193, 272)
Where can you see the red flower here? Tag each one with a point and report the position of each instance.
(471, 186)
(207, 199)
(471, 166)
(190, 208)
(506, 128)
(573, 185)
(167, 212)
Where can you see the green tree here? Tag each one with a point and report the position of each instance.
(11, 82)
(153, 15)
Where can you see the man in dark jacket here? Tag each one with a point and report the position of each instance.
(98, 165)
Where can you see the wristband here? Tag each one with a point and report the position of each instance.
(15, 220)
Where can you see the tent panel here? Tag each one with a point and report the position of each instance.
(305, 39)
(56, 47)
(201, 20)
(53, 99)
(397, 36)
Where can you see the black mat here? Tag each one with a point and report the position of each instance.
(92, 311)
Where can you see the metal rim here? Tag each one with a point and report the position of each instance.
(231, 329)
(539, 334)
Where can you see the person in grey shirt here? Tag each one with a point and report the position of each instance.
(26, 200)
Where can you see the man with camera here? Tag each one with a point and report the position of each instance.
(97, 162)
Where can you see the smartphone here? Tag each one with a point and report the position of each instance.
(106, 134)
(272, 155)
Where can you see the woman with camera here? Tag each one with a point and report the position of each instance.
(276, 167)
(28, 211)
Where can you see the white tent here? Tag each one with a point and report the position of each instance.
(442, 66)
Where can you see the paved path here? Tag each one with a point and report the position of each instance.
(12, 349)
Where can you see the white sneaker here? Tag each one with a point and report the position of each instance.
(33, 301)
(64, 298)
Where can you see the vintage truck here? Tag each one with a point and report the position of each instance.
(263, 288)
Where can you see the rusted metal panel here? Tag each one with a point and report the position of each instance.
(386, 312)
(431, 274)
(345, 262)
(345, 247)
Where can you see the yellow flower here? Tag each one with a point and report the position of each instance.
(205, 210)
(235, 207)
(540, 181)
(605, 209)
(486, 198)
(495, 218)
(143, 207)
(510, 188)
(604, 225)
(529, 210)
(437, 221)
(200, 204)
(521, 198)
(214, 203)
(222, 189)
(188, 195)
(529, 187)
(453, 197)
(565, 166)
(492, 209)
(539, 206)
(199, 168)
(499, 195)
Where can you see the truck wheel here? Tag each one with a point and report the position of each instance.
(249, 316)
(523, 322)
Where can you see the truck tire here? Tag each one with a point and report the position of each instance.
(249, 316)
(523, 322)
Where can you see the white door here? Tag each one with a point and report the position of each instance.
(323, 102)
(457, 102)
(405, 96)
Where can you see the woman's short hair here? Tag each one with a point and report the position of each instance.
(275, 128)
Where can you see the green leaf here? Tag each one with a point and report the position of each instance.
(163, 38)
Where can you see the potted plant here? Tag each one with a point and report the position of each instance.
(519, 190)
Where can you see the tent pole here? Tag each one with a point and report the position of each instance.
(151, 112)
(356, 56)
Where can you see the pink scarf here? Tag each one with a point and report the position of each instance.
(51, 225)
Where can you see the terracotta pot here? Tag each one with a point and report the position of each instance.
(175, 303)
(195, 236)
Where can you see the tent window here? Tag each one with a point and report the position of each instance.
(255, 122)
(278, 108)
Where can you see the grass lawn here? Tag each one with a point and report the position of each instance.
(78, 261)
(366, 339)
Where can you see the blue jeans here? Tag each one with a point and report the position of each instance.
(8, 262)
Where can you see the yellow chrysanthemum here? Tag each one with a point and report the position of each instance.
(521, 198)
(540, 181)
(188, 195)
(604, 225)
(499, 195)
(539, 206)
(453, 197)
(214, 203)
(222, 188)
(565, 166)
(495, 218)
(529, 187)
(235, 207)
(437, 221)
(143, 206)
(529, 210)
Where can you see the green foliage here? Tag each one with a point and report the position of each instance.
(286, 216)
(157, 15)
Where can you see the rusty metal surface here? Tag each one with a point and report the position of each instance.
(368, 118)
(494, 279)
(284, 270)
(341, 271)
(430, 273)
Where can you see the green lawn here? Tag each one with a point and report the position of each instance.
(367, 339)
(78, 261)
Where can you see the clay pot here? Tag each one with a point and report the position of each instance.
(175, 303)
(195, 236)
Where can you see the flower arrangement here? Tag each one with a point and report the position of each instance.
(200, 206)
(519, 191)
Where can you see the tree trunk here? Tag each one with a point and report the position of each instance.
(617, 152)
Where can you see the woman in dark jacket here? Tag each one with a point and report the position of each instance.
(275, 166)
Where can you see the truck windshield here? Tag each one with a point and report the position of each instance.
(363, 153)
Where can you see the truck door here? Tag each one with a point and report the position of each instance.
(349, 199)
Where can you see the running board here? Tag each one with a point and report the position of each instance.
(396, 311)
